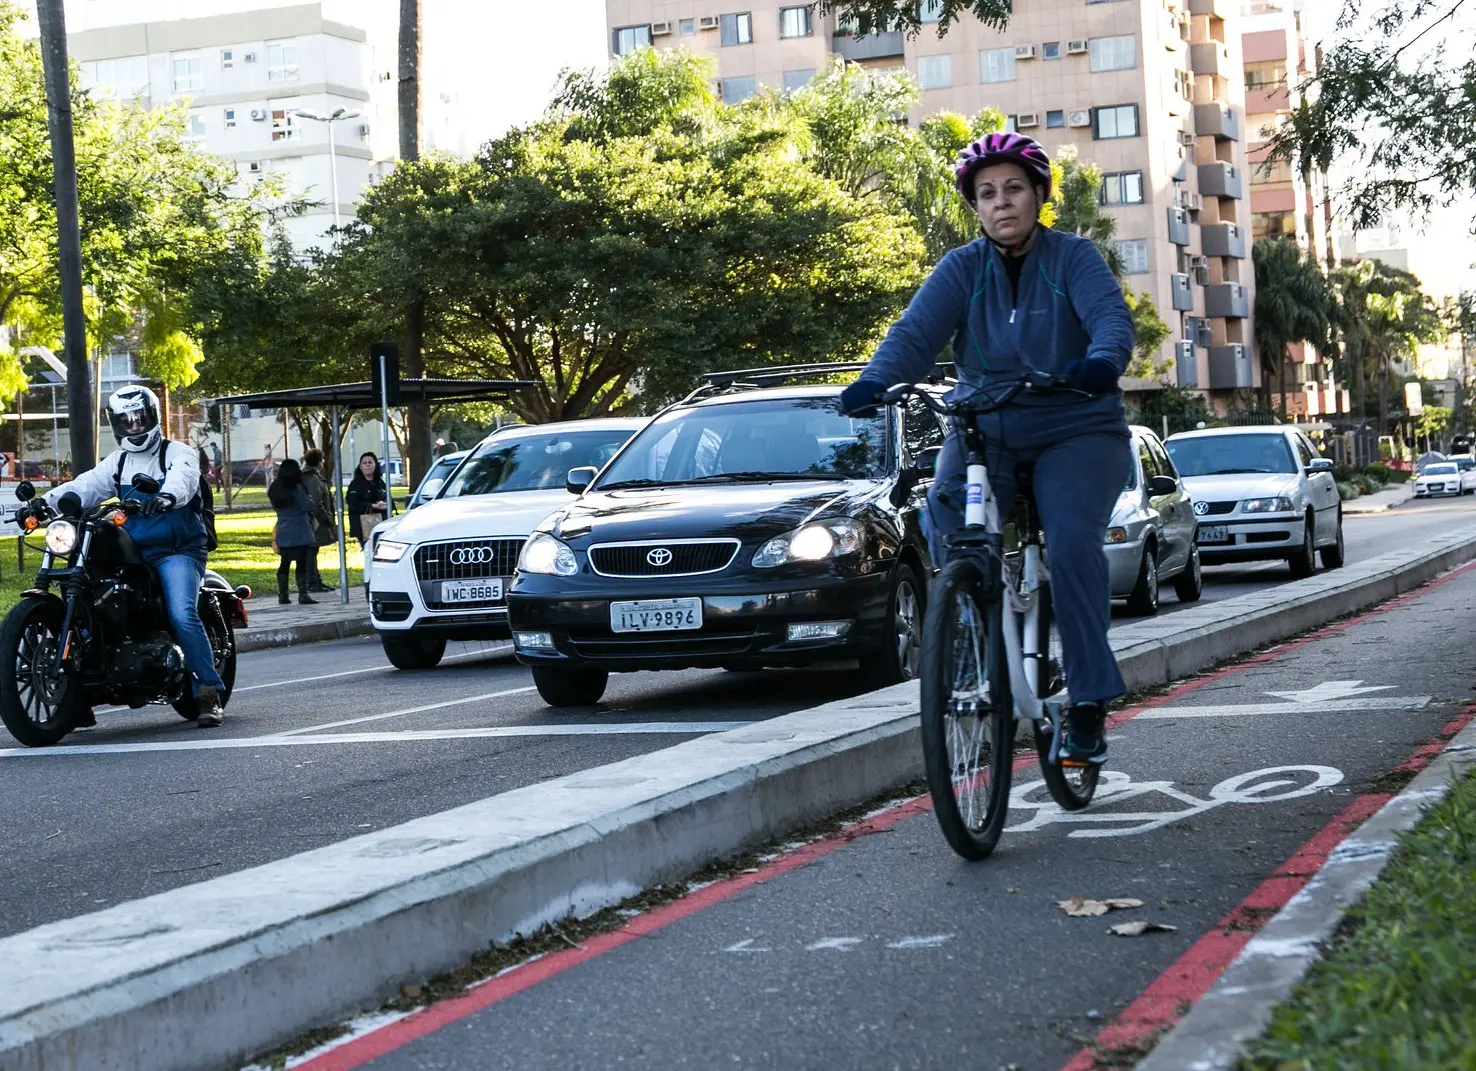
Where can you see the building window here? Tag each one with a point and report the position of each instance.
(1050, 50)
(798, 79)
(794, 22)
(627, 39)
(1134, 253)
(1122, 188)
(739, 89)
(1272, 225)
(1117, 121)
(1055, 120)
(228, 118)
(1012, 123)
(930, 11)
(281, 63)
(1265, 75)
(197, 126)
(1114, 53)
(997, 65)
(227, 58)
(736, 29)
(1268, 172)
(689, 27)
(934, 72)
(126, 78)
(282, 127)
(189, 74)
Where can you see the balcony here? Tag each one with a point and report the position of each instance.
(1186, 366)
(1230, 368)
(1210, 58)
(1215, 9)
(1219, 179)
(1227, 300)
(1179, 226)
(872, 46)
(1216, 120)
(1180, 295)
(1222, 240)
(1264, 100)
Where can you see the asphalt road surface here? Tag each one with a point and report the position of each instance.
(326, 741)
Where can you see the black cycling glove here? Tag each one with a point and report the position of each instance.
(861, 397)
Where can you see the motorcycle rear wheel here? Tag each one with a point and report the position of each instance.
(223, 644)
(37, 710)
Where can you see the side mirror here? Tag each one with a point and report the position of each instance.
(926, 462)
(431, 487)
(25, 490)
(1319, 464)
(1159, 486)
(144, 484)
(578, 479)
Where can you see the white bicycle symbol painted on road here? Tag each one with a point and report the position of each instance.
(1270, 785)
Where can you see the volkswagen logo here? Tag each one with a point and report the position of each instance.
(1201, 508)
(472, 556)
(660, 557)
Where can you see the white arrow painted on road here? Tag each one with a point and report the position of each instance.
(745, 946)
(836, 944)
(1331, 690)
(936, 940)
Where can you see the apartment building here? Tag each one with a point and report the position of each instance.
(1150, 92)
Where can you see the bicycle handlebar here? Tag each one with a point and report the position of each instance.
(1042, 382)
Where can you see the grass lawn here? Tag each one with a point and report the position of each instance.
(1397, 989)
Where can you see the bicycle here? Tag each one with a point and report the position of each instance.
(987, 658)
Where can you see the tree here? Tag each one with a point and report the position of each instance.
(1177, 408)
(418, 416)
(870, 16)
(1292, 305)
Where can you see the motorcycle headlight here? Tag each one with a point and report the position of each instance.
(811, 543)
(61, 537)
(1266, 505)
(546, 555)
(387, 550)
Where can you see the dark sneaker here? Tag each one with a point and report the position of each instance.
(304, 599)
(208, 701)
(1085, 740)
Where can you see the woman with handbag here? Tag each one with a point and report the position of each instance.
(325, 532)
(293, 537)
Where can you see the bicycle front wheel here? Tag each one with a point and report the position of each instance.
(1072, 787)
(967, 720)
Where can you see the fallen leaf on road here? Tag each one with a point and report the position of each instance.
(1139, 927)
(1080, 907)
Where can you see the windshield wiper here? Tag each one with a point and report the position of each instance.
(620, 485)
(1238, 472)
(765, 477)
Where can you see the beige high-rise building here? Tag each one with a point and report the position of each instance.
(1153, 93)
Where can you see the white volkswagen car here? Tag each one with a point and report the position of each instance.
(441, 571)
(1260, 493)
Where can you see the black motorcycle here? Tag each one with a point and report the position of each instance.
(94, 629)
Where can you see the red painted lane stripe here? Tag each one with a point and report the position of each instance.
(1171, 995)
(376, 1043)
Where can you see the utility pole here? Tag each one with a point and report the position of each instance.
(418, 434)
(81, 414)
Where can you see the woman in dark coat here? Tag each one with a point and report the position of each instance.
(295, 539)
(367, 497)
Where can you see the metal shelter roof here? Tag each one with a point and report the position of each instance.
(363, 395)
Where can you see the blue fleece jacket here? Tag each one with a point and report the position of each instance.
(1069, 308)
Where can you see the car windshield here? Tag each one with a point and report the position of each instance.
(1465, 463)
(760, 440)
(441, 469)
(1222, 455)
(532, 462)
(1440, 470)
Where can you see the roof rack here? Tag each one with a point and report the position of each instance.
(772, 375)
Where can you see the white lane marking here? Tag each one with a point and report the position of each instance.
(746, 946)
(1257, 786)
(937, 940)
(834, 944)
(670, 728)
(1241, 710)
(407, 710)
(1329, 690)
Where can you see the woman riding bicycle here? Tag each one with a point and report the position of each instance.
(1028, 299)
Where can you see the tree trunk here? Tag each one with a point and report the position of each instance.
(418, 448)
(1283, 385)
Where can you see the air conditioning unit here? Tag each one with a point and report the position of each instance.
(660, 29)
(254, 167)
(1204, 335)
(1189, 199)
(363, 130)
(1202, 274)
(1199, 262)
(1027, 119)
(1024, 51)
(1079, 118)
(707, 22)
(249, 57)
(258, 115)
(1186, 138)
(1077, 47)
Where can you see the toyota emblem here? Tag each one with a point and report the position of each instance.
(659, 558)
(1201, 508)
(473, 556)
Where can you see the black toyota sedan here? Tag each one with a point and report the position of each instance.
(742, 528)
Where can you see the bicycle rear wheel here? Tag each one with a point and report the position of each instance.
(967, 712)
(1072, 787)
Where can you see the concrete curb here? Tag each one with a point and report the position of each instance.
(1349, 509)
(264, 954)
(262, 639)
(1240, 1004)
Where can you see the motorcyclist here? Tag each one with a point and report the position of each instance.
(1026, 298)
(167, 529)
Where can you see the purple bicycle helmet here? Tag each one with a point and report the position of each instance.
(998, 148)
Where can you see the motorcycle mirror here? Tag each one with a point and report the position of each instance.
(69, 505)
(25, 490)
(145, 484)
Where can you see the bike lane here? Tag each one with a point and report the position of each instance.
(881, 949)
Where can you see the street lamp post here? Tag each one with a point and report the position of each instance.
(330, 119)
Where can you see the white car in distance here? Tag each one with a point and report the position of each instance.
(441, 571)
(1444, 478)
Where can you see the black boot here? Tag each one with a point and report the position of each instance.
(282, 597)
(304, 599)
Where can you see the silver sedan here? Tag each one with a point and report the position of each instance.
(1150, 538)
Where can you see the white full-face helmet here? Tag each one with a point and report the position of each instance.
(134, 414)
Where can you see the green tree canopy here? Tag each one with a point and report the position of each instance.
(1382, 315)
(1292, 305)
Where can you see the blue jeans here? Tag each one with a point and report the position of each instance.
(180, 576)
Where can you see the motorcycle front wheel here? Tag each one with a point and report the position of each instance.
(37, 709)
(223, 645)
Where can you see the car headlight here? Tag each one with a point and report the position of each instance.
(387, 550)
(1266, 505)
(811, 543)
(1117, 535)
(61, 537)
(547, 555)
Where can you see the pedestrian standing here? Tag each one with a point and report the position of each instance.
(294, 533)
(325, 532)
(368, 498)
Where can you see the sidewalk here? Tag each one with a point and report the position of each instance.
(271, 624)
(1379, 501)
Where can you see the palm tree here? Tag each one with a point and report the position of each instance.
(1383, 315)
(1292, 305)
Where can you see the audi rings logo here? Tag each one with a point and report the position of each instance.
(473, 556)
(1201, 508)
(659, 557)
